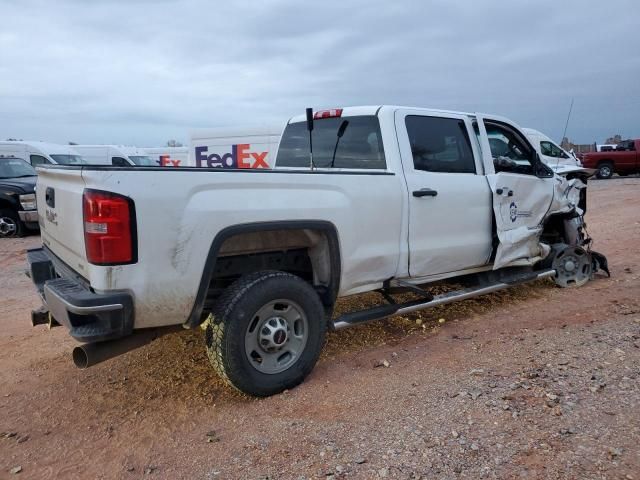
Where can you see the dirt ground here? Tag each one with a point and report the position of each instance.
(535, 382)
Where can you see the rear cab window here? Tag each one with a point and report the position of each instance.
(351, 142)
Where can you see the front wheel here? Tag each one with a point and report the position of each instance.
(10, 224)
(605, 170)
(266, 332)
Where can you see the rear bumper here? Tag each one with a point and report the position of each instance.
(89, 316)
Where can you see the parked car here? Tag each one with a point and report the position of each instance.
(117, 155)
(550, 152)
(17, 197)
(41, 153)
(361, 199)
(623, 160)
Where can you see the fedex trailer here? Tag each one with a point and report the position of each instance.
(241, 148)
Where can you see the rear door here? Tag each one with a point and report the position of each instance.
(448, 195)
(521, 199)
(59, 199)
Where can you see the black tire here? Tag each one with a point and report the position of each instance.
(605, 170)
(10, 224)
(236, 316)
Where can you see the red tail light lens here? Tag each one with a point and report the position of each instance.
(109, 228)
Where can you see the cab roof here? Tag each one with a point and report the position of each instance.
(374, 110)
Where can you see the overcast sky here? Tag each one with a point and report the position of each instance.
(142, 71)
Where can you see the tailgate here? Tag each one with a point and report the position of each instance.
(59, 197)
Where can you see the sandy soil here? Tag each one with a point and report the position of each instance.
(535, 382)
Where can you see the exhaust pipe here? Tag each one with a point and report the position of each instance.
(90, 354)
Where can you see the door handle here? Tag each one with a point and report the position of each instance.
(50, 197)
(425, 192)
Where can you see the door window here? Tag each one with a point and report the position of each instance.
(38, 160)
(509, 151)
(626, 145)
(440, 144)
(119, 162)
(551, 150)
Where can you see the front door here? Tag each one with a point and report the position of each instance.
(521, 199)
(448, 196)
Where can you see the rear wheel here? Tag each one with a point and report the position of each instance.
(605, 170)
(10, 224)
(266, 332)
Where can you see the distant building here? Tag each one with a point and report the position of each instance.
(576, 147)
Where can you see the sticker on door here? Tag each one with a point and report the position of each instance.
(514, 214)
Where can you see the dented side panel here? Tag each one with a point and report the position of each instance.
(522, 204)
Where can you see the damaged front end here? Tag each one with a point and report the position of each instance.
(557, 238)
(565, 231)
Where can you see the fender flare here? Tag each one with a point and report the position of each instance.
(328, 298)
(10, 200)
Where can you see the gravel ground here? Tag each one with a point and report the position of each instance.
(534, 382)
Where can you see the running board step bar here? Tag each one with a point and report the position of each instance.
(378, 313)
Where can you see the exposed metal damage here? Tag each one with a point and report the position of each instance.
(560, 239)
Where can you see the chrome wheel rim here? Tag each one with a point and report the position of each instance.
(605, 171)
(276, 336)
(8, 227)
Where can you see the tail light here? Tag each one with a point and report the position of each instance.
(109, 228)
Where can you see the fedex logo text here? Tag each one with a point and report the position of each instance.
(240, 157)
(166, 160)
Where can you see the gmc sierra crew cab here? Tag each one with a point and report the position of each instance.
(376, 198)
(624, 160)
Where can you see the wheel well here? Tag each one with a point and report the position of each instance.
(309, 250)
(606, 160)
(302, 252)
(6, 204)
(563, 228)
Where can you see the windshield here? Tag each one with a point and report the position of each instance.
(143, 160)
(14, 168)
(68, 159)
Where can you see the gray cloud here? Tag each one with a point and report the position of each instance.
(140, 72)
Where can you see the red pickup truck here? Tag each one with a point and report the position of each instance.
(623, 160)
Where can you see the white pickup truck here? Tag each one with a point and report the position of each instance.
(383, 198)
